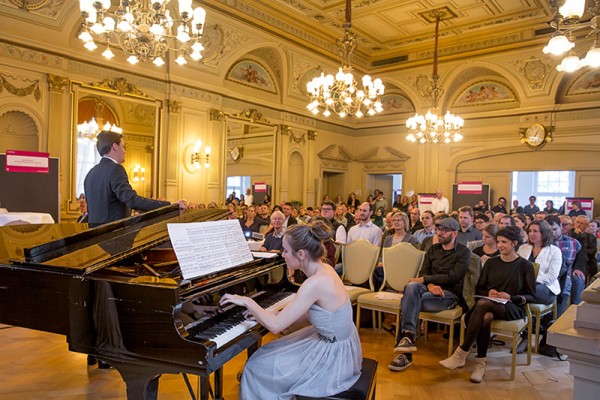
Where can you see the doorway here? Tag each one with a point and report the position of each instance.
(333, 184)
(389, 184)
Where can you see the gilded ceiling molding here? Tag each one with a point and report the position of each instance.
(120, 86)
(472, 46)
(298, 138)
(312, 135)
(25, 5)
(57, 83)
(33, 88)
(174, 106)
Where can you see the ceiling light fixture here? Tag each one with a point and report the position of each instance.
(143, 29)
(433, 127)
(341, 94)
(568, 19)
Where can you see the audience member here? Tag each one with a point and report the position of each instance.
(507, 277)
(378, 217)
(440, 203)
(273, 241)
(252, 223)
(540, 215)
(249, 197)
(480, 206)
(467, 231)
(353, 201)
(414, 202)
(531, 208)
(403, 204)
(490, 214)
(381, 202)
(549, 209)
(438, 287)
(517, 209)
(415, 220)
(428, 226)
(501, 206)
(480, 221)
(576, 209)
(364, 228)
(489, 247)
(572, 255)
(506, 220)
(287, 211)
(589, 244)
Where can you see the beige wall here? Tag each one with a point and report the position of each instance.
(305, 147)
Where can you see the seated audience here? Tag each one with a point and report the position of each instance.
(501, 206)
(428, 226)
(531, 208)
(549, 209)
(489, 248)
(273, 241)
(438, 287)
(467, 232)
(353, 201)
(252, 223)
(589, 245)
(517, 209)
(364, 228)
(480, 221)
(507, 277)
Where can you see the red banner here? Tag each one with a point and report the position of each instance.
(27, 161)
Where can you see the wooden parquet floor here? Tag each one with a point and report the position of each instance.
(38, 365)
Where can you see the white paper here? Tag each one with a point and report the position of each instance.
(388, 296)
(264, 254)
(496, 299)
(207, 247)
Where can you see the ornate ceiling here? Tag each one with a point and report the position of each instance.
(395, 34)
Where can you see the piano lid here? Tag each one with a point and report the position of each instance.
(96, 248)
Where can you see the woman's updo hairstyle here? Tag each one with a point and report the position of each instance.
(511, 233)
(309, 238)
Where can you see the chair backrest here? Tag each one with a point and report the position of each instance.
(471, 279)
(473, 244)
(338, 251)
(401, 262)
(359, 259)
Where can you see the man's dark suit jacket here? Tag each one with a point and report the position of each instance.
(109, 195)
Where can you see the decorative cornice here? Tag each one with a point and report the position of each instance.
(57, 83)
(33, 88)
(252, 115)
(312, 135)
(388, 155)
(337, 153)
(120, 86)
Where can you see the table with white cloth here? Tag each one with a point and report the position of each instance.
(27, 217)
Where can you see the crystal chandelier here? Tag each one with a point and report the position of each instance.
(433, 127)
(567, 20)
(88, 130)
(143, 29)
(341, 94)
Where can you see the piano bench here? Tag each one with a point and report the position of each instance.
(363, 389)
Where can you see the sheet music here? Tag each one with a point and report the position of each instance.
(206, 247)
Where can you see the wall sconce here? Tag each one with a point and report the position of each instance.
(195, 156)
(138, 173)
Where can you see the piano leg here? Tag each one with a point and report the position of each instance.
(142, 382)
(218, 374)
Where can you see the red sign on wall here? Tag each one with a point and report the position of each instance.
(27, 161)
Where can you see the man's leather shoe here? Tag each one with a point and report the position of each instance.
(103, 365)
(91, 360)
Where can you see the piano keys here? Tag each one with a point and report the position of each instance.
(98, 288)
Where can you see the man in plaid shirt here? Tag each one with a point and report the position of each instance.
(572, 257)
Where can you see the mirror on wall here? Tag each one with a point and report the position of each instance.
(250, 154)
(118, 106)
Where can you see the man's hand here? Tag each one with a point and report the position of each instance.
(418, 280)
(436, 290)
(183, 204)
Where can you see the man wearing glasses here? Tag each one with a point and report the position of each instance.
(438, 287)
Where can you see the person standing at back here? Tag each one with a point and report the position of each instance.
(108, 193)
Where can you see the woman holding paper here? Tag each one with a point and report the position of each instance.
(319, 360)
(506, 284)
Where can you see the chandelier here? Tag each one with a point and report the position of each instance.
(341, 94)
(433, 127)
(143, 29)
(88, 130)
(567, 20)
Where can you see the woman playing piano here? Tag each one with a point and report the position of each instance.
(319, 360)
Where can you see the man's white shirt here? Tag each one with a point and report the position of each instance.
(369, 231)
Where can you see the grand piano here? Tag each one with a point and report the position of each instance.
(101, 289)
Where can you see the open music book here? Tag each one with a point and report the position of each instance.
(207, 247)
(496, 299)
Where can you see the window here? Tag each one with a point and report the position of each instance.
(87, 157)
(545, 185)
(237, 184)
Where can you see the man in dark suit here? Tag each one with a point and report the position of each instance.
(287, 211)
(108, 193)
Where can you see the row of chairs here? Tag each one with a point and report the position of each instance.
(402, 262)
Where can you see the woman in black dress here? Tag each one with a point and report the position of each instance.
(509, 278)
(489, 247)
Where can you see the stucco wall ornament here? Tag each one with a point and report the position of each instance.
(120, 86)
(534, 70)
(33, 88)
(57, 83)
